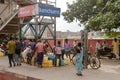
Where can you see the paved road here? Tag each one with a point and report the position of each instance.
(110, 70)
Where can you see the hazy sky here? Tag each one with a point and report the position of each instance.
(62, 25)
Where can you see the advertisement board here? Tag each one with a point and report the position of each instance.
(38, 10)
(49, 11)
(28, 11)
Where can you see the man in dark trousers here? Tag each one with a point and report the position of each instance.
(11, 50)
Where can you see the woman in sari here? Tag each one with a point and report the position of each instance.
(40, 53)
(79, 59)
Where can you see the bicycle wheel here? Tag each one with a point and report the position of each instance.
(95, 63)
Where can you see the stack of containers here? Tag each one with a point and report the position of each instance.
(46, 62)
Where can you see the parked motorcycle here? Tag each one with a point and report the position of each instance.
(107, 52)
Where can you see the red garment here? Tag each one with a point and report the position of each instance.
(39, 47)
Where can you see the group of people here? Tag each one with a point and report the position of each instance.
(16, 47)
(39, 48)
(100, 47)
(78, 55)
(115, 49)
(14, 52)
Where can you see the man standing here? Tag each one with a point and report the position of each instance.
(11, 50)
(105, 45)
(115, 45)
(75, 43)
(98, 47)
(18, 51)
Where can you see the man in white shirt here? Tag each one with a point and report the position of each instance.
(75, 43)
(98, 47)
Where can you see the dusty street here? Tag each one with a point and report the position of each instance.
(110, 70)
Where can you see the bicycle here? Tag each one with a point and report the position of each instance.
(93, 60)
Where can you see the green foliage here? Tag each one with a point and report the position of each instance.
(111, 35)
(95, 14)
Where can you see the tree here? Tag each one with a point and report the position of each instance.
(95, 14)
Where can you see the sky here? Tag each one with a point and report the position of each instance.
(61, 24)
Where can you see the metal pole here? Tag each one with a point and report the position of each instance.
(55, 32)
(20, 28)
(55, 29)
(55, 3)
(36, 28)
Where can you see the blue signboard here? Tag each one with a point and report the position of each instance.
(49, 11)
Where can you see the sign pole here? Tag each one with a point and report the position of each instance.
(20, 28)
(55, 29)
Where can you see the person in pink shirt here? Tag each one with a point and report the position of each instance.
(58, 50)
(39, 52)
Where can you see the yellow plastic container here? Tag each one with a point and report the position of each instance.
(50, 63)
(67, 61)
(57, 62)
(44, 65)
(1, 54)
(45, 58)
(46, 62)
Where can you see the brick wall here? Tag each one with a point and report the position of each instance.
(91, 42)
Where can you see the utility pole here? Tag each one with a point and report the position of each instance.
(85, 48)
(84, 41)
